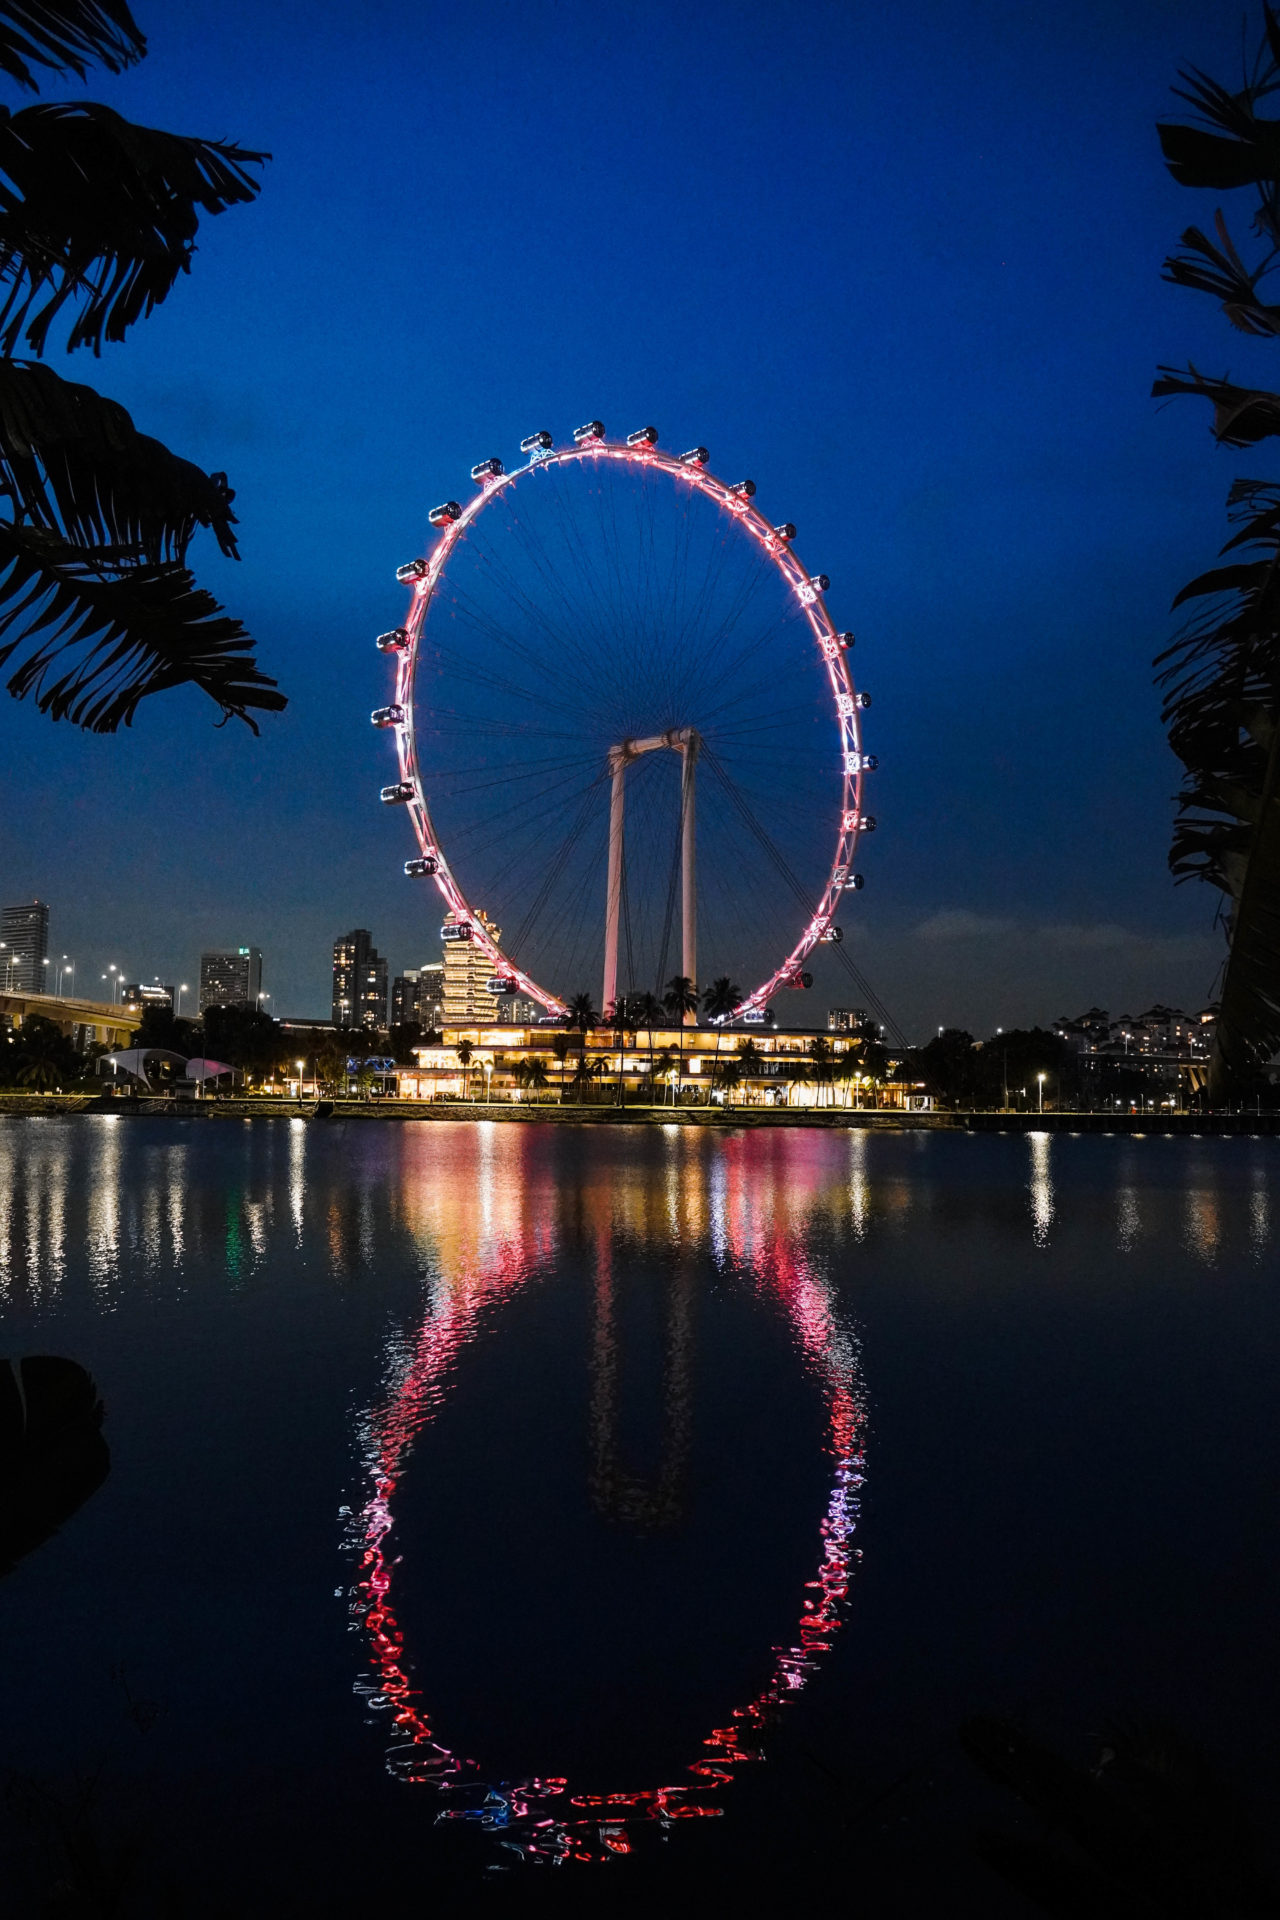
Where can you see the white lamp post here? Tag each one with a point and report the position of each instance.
(1040, 1090)
(181, 990)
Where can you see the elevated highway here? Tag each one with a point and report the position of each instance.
(93, 1020)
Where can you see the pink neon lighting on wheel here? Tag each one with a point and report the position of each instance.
(547, 1818)
(809, 589)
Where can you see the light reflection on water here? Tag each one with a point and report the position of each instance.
(99, 1215)
(735, 1197)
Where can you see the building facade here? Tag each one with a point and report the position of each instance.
(417, 994)
(24, 952)
(467, 971)
(230, 977)
(359, 981)
(139, 994)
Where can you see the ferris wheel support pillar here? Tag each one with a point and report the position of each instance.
(689, 744)
(618, 758)
(685, 741)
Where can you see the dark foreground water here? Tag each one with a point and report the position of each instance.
(535, 1517)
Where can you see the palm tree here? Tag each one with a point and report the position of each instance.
(98, 218)
(727, 1074)
(665, 1066)
(560, 1048)
(648, 1012)
(532, 1075)
(680, 999)
(718, 1002)
(466, 1054)
(820, 1063)
(750, 1059)
(587, 1070)
(623, 1019)
(1221, 676)
(581, 1018)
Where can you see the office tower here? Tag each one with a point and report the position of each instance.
(24, 932)
(467, 970)
(230, 977)
(416, 994)
(359, 981)
(431, 994)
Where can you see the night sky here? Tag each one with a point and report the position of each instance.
(901, 264)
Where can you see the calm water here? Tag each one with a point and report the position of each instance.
(496, 1509)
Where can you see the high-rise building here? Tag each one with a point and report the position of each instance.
(24, 934)
(230, 977)
(467, 970)
(359, 981)
(416, 995)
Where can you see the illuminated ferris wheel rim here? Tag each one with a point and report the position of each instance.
(423, 576)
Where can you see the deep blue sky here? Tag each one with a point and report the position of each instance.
(900, 263)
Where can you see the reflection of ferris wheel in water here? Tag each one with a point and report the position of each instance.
(583, 620)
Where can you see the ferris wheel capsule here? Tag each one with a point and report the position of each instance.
(867, 824)
(457, 569)
(411, 570)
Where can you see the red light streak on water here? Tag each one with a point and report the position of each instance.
(542, 1818)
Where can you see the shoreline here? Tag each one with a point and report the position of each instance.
(873, 1119)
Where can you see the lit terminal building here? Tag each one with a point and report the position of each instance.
(756, 1067)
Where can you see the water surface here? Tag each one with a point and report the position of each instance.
(493, 1508)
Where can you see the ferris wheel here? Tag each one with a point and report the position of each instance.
(585, 620)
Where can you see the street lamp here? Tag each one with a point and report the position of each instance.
(184, 988)
(1040, 1089)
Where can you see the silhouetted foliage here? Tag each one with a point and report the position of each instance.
(402, 1040)
(1221, 676)
(245, 1037)
(40, 1057)
(98, 218)
(1149, 1828)
(52, 1454)
(160, 1027)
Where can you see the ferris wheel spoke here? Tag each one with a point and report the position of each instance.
(605, 598)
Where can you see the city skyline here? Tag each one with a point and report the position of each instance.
(981, 491)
